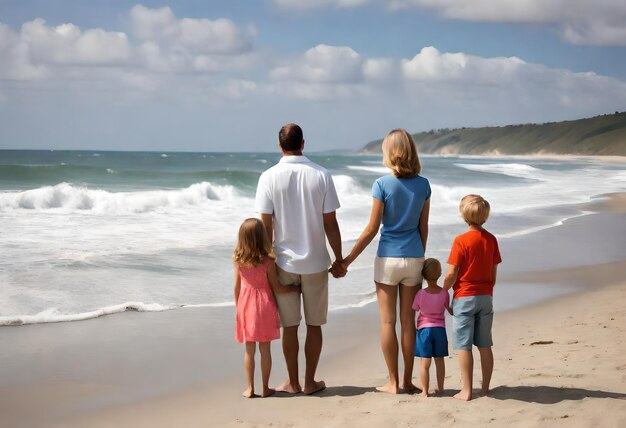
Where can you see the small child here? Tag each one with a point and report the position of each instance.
(257, 314)
(473, 261)
(431, 341)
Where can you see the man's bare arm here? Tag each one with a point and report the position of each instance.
(268, 221)
(331, 227)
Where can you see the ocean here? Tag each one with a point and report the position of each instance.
(89, 233)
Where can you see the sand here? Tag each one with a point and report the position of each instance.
(558, 362)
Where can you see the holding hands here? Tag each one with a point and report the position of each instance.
(339, 269)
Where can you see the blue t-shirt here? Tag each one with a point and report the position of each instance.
(404, 199)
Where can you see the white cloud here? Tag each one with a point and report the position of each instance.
(315, 4)
(323, 64)
(584, 22)
(14, 57)
(67, 44)
(163, 46)
(431, 65)
(335, 72)
(203, 36)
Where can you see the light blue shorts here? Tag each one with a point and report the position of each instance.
(472, 321)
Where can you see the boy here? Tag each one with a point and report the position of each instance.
(473, 261)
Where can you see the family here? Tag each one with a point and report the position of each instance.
(282, 266)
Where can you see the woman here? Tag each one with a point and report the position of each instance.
(401, 201)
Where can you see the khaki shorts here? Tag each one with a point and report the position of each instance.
(314, 298)
(399, 270)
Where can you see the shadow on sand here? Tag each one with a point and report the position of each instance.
(333, 391)
(549, 394)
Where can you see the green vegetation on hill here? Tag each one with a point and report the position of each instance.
(600, 135)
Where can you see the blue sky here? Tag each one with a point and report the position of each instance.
(225, 75)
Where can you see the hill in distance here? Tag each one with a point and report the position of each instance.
(600, 135)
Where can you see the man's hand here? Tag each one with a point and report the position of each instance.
(337, 269)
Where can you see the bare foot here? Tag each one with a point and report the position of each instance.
(483, 393)
(289, 388)
(389, 388)
(424, 394)
(267, 392)
(316, 387)
(248, 393)
(464, 395)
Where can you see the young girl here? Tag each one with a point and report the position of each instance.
(431, 341)
(257, 314)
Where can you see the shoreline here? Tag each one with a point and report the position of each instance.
(149, 368)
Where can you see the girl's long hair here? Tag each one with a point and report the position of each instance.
(253, 245)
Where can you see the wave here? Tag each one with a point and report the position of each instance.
(52, 315)
(365, 300)
(375, 169)
(518, 170)
(52, 174)
(68, 197)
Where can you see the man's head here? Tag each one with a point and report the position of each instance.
(290, 138)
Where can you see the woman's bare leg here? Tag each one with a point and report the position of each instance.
(387, 297)
(407, 331)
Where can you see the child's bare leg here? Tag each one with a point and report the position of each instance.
(425, 375)
(486, 364)
(440, 365)
(466, 364)
(248, 365)
(266, 367)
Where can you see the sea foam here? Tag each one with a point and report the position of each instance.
(69, 197)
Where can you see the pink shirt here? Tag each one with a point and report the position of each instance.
(432, 308)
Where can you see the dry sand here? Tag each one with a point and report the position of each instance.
(558, 363)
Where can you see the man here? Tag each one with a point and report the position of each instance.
(297, 202)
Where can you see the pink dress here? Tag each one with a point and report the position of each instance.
(257, 313)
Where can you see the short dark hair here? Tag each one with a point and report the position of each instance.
(290, 137)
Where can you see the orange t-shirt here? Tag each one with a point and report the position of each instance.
(475, 252)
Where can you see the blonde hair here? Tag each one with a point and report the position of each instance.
(253, 244)
(474, 210)
(400, 154)
(431, 271)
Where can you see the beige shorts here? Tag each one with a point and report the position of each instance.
(314, 298)
(398, 270)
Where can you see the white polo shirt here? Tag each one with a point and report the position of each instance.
(298, 192)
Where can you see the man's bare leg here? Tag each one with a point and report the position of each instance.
(290, 351)
(387, 297)
(486, 364)
(466, 364)
(312, 352)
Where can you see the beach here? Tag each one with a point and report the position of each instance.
(559, 360)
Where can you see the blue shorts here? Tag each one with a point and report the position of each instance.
(431, 342)
(472, 321)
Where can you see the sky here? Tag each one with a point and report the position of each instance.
(198, 75)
